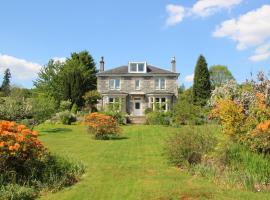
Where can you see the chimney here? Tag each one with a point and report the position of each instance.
(173, 64)
(101, 64)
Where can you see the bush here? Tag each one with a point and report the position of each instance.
(102, 126)
(16, 192)
(158, 118)
(26, 167)
(231, 115)
(65, 105)
(119, 116)
(67, 117)
(74, 109)
(186, 113)
(189, 146)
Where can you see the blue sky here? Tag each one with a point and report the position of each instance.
(235, 33)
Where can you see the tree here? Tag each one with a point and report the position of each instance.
(79, 76)
(6, 82)
(219, 74)
(201, 85)
(49, 80)
(91, 98)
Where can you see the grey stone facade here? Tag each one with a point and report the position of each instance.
(133, 100)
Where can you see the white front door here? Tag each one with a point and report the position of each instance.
(137, 108)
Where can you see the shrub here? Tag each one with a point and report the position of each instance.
(17, 145)
(67, 117)
(74, 109)
(231, 115)
(186, 113)
(189, 146)
(16, 192)
(102, 126)
(119, 116)
(65, 105)
(158, 118)
(26, 167)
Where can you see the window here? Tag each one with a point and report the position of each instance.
(115, 103)
(160, 84)
(158, 103)
(114, 84)
(137, 67)
(137, 84)
(137, 105)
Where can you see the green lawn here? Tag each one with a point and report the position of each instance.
(129, 168)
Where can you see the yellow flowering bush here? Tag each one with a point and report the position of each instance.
(231, 116)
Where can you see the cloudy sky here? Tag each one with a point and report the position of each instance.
(235, 33)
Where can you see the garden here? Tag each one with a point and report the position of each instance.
(213, 144)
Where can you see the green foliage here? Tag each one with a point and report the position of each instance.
(70, 79)
(67, 117)
(91, 99)
(189, 146)
(65, 105)
(158, 117)
(78, 76)
(49, 173)
(74, 109)
(219, 74)
(201, 85)
(185, 112)
(49, 80)
(43, 107)
(16, 192)
(6, 82)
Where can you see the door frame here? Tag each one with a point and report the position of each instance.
(137, 112)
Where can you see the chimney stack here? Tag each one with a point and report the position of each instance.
(101, 64)
(173, 64)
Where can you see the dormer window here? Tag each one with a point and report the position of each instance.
(137, 67)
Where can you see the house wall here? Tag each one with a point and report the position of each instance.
(128, 85)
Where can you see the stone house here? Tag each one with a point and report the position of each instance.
(137, 86)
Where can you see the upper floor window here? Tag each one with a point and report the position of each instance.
(160, 83)
(114, 84)
(137, 67)
(137, 84)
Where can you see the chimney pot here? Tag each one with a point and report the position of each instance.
(101, 64)
(173, 62)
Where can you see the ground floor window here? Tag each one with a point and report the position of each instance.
(114, 103)
(158, 103)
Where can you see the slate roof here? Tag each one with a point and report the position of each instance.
(123, 70)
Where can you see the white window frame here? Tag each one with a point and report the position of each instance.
(159, 83)
(114, 84)
(138, 88)
(137, 67)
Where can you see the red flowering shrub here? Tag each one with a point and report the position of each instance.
(102, 126)
(18, 144)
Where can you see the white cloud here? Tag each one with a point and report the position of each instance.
(21, 69)
(249, 30)
(201, 8)
(261, 53)
(208, 7)
(176, 14)
(189, 78)
(60, 59)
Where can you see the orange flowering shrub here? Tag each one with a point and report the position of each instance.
(17, 144)
(102, 126)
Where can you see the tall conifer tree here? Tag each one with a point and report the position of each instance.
(6, 82)
(201, 85)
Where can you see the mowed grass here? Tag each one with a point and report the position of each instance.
(132, 167)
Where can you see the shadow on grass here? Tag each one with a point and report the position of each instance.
(56, 130)
(113, 138)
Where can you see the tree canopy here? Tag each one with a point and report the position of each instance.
(219, 74)
(68, 80)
